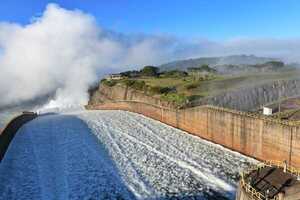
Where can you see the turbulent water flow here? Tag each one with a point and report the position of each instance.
(115, 155)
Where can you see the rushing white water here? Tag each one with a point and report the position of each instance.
(115, 155)
(165, 161)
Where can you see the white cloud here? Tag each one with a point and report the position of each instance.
(62, 50)
(59, 51)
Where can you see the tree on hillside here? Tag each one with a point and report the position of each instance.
(206, 68)
(202, 72)
(174, 74)
(150, 71)
(202, 68)
(130, 74)
(271, 65)
(275, 64)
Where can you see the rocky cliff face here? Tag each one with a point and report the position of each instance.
(122, 93)
(252, 98)
(242, 99)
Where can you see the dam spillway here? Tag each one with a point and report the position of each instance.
(115, 154)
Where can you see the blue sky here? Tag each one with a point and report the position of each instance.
(211, 19)
(65, 46)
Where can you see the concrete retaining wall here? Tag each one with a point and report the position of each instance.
(11, 129)
(256, 136)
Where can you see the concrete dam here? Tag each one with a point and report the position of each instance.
(109, 153)
(258, 136)
(255, 135)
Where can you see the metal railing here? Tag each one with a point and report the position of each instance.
(256, 195)
(287, 168)
(252, 191)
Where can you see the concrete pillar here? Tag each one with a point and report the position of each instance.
(284, 166)
(281, 196)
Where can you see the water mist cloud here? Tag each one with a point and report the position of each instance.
(59, 52)
(63, 51)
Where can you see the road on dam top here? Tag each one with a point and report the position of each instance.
(115, 155)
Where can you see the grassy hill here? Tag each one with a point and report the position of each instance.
(181, 87)
(240, 60)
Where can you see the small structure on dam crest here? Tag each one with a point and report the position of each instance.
(271, 180)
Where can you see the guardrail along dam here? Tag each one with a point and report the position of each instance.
(115, 155)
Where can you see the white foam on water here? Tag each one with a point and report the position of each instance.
(115, 154)
(167, 160)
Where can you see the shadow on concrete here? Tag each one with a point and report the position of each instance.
(11, 129)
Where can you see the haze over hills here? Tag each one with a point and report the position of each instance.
(241, 82)
(216, 61)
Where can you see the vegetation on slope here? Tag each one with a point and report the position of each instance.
(181, 87)
(172, 86)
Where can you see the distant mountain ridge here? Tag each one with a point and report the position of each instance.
(216, 61)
